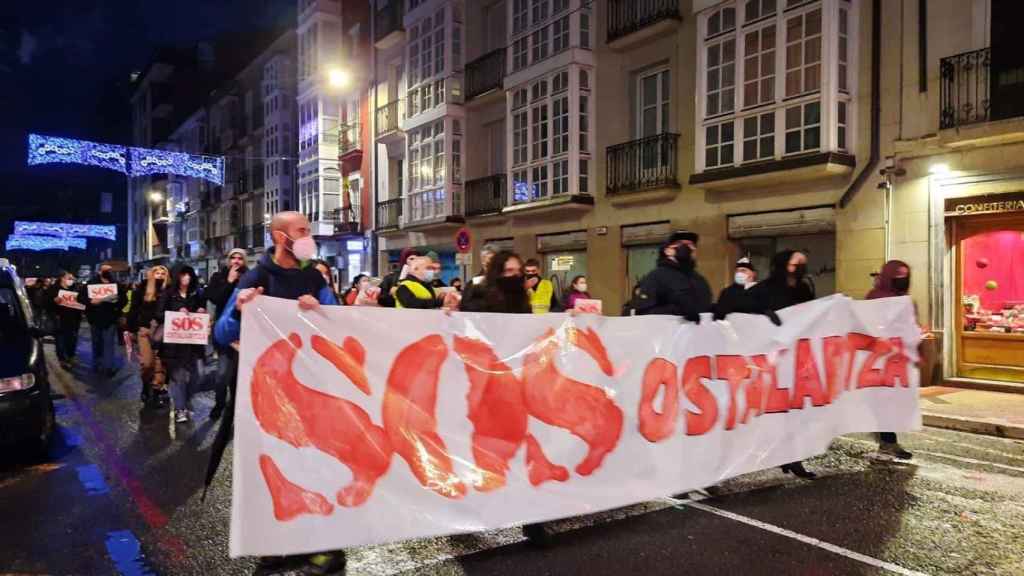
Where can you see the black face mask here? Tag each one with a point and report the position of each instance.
(900, 284)
(533, 276)
(511, 284)
(800, 272)
(106, 276)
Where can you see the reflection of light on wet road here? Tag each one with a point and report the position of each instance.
(126, 553)
(92, 480)
(30, 472)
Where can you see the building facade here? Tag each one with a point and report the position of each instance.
(333, 64)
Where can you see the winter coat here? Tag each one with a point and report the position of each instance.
(66, 318)
(883, 283)
(735, 298)
(775, 293)
(415, 293)
(390, 281)
(675, 289)
(574, 295)
(142, 313)
(104, 314)
(288, 283)
(219, 289)
(488, 298)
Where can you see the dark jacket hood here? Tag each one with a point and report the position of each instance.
(883, 282)
(193, 285)
(780, 264)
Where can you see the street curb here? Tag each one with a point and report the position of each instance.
(973, 426)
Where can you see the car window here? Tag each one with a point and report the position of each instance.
(12, 316)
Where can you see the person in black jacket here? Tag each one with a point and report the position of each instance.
(675, 287)
(222, 286)
(182, 359)
(68, 320)
(103, 314)
(416, 291)
(787, 286)
(390, 283)
(144, 318)
(736, 297)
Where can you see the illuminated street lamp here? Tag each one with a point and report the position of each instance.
(156, 197)
(339, 77)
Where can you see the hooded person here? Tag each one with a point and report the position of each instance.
(675, 287)
(736, 297)
(416, 291)
(182, 360)
(893, 281)
(390, 282)
(786, 286)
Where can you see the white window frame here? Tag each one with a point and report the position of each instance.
(427, 61)
(720, 144)
(726, 95)
(765, 129)
(800, 46)
(662, 105)
(763, 81)
(804, 127)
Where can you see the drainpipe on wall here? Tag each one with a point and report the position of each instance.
(876, 98)
(373, 255)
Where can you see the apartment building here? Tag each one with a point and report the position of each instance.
(334, 128)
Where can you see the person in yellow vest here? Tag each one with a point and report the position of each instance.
(540, 290)
(415, 290)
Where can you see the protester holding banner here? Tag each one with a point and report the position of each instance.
(182, 359)
(894, 281)
(144, 320)
(416, 290)
(736, 297)
(62, 300)
(541, 290)
(390, 283)
(675, 287)
(222, 285)
(577, 291)
(786, 286)
(281, 273)
(103, 300)
(359, 284)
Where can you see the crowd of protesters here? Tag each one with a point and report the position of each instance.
(505, 284)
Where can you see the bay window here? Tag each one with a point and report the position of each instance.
(543, 28)
(549, 136)
(793, 76)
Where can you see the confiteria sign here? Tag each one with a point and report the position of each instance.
(988, 204)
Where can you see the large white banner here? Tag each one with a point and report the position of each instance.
(361, 425)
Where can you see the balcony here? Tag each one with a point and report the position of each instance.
(388, 117)
(389, 28)
(978, 105)
(485, 74)
(389, 214)
(486, 196)
(433, 208)
(631, 22)
(650, 163)
(350, 147)
(346, 221)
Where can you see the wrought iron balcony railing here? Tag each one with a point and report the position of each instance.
(486, 73)
(389, 19)
(644, 164)
(628, 16)
(389, 214)
(964, 96)
(486, 195)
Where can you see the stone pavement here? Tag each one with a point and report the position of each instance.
(976, 411)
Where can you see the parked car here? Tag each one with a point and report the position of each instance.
(26, 408)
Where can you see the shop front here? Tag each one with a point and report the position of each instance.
(564, 258)
(986, 235)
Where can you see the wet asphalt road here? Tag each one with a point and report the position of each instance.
(121, 494)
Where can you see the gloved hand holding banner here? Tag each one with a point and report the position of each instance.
(361, 425)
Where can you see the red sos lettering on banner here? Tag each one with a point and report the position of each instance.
(182, 328)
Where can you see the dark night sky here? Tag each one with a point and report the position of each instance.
(64, 68)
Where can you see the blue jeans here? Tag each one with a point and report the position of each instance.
(104, 339)
(184, 378)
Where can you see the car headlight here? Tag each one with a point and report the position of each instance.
(14, 383)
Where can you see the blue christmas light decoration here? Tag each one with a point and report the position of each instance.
(39, 243)
(130, 161)
(51, 149)
(66, 230)
(145, 161)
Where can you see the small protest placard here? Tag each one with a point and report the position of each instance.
(69, 299)
(102, 291)
(186, 328)
(586, 306)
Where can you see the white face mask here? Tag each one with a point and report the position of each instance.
(304, 249)
(582, 286)
(428, 275)
(741, 278)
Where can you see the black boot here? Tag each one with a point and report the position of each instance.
(797, 469)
